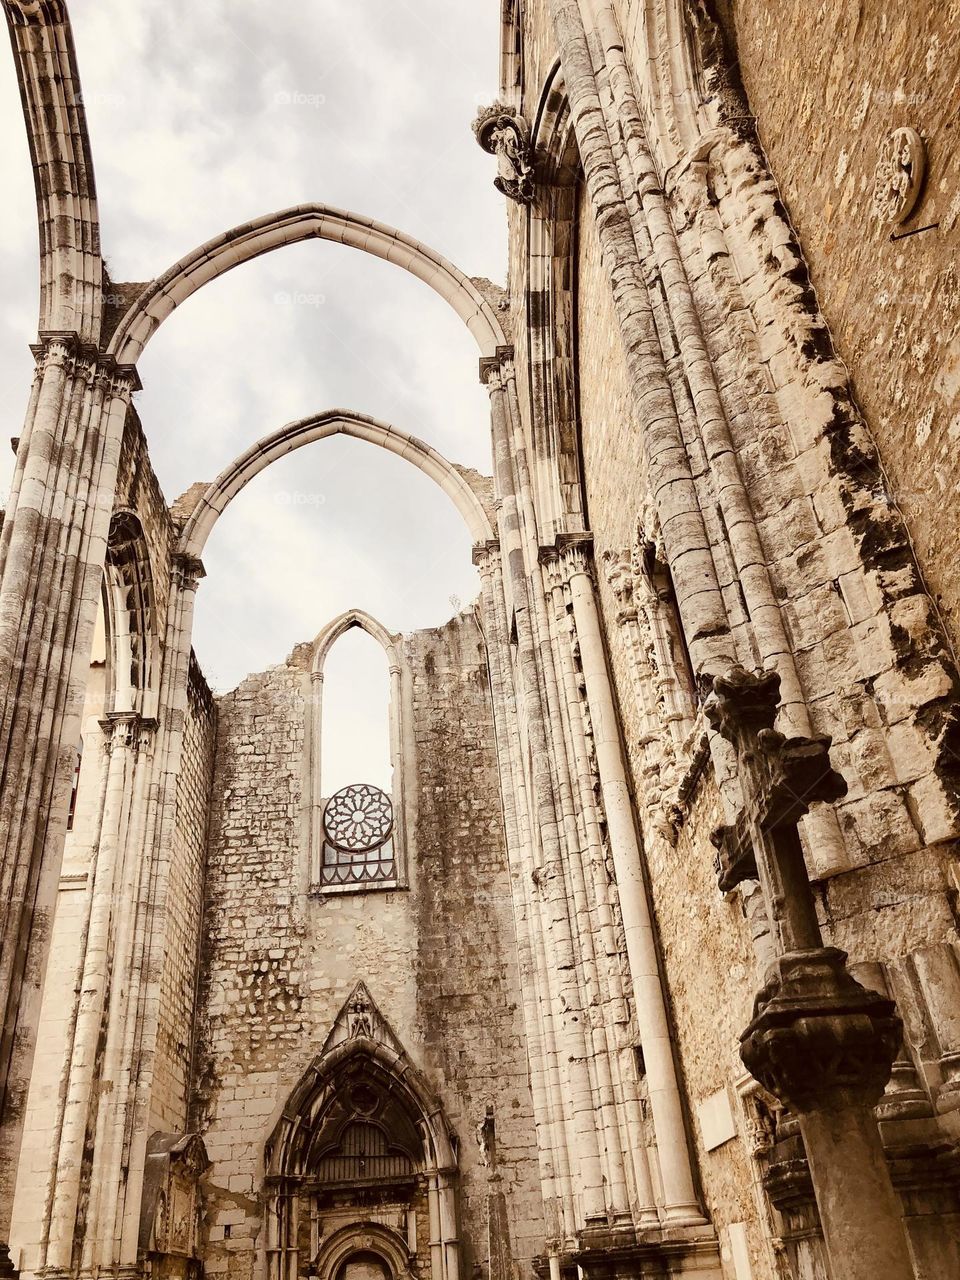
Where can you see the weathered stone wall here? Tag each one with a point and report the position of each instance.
(468, 995)
(178, 983)
(438, 957)
(842, 77)
(840, 574)
(58, 1011)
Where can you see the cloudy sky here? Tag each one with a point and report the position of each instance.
(202, 117)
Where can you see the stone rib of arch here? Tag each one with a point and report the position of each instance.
(320, 427)
(71, 268)
(290, 226)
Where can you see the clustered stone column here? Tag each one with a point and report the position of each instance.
(558, 738)
(820, 1042)
(51, 567)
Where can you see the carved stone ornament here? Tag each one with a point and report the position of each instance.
(505, 134)
(171, 1206)
(899, 176)
(29, 8)
(359, 1018)
(819, 1039)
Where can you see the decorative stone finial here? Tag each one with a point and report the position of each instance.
(899, 175)
(504, 133)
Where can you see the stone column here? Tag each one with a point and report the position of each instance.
(102, 967)
(51, 565)
(121, 1130)
(566, 1013)
(680, 1199)
(818, 1040)
(316, 786)
(544, 1080)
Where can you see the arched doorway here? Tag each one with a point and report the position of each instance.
(364, 1266)
(361, 1170)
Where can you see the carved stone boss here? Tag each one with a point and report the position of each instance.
(818, 1041)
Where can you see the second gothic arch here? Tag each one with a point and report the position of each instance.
(319, 427)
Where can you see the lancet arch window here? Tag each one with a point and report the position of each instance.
(121, 682)
(356, 829)
(511, 56)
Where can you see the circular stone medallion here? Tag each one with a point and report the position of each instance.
(358, 818)
(900, 166)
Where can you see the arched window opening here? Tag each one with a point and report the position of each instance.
(75, 787)
(671, 643)
(355, 766)
(356, 714)
(128, 603)
(552, 327)
(511, 52)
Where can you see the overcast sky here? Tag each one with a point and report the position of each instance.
(202, 117)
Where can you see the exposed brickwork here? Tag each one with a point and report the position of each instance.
(467, 981)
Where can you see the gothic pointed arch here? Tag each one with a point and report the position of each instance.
(129, 614)
(551, 330)
(290, 226)
(361, 1126)
(294, 435)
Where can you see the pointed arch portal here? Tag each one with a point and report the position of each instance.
(361, 1121)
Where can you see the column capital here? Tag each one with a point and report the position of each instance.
(492, 367)
(188, 570)
(127, 728)
(72, 346)
(571, 552)
(484, 553)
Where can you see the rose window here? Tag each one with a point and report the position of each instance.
(358, 819)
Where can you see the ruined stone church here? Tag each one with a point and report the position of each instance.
(645, 963)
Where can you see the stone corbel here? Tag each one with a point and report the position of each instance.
(503, 132)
